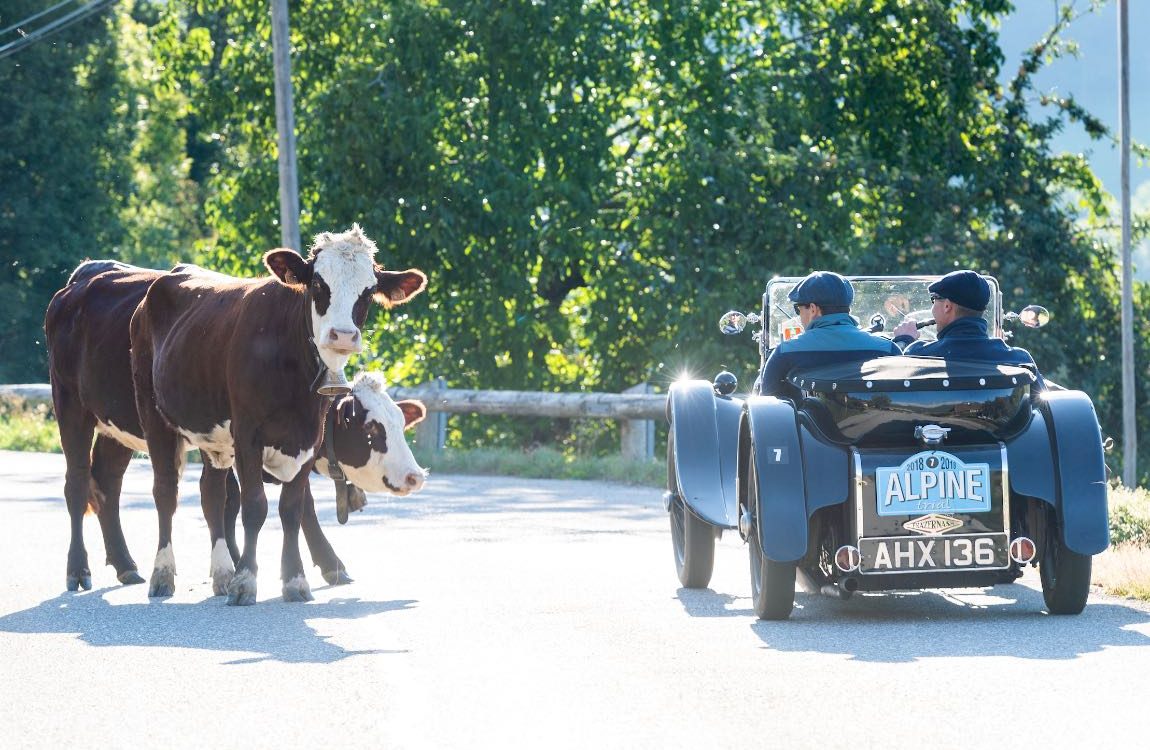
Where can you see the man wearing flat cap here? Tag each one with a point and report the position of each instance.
(822, 301)
(957, 303)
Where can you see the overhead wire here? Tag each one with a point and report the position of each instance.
(59, 24)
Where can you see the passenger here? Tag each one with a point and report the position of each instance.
(957, 303)
(822, 301)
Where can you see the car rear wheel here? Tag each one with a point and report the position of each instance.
(1065, 574)
(693, 538)
(772, 583)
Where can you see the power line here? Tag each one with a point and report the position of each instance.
(61, 23)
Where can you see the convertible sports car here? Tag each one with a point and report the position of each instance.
(891, 473)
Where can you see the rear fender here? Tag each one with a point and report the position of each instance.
(1079, 470)
(769, 436)
(706, 431)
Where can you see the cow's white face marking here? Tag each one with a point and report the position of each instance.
(385, 471)
(217, 445)
(345, 264)
(122, 437)
(282, 466)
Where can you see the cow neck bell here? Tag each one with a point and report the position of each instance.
(333, 383)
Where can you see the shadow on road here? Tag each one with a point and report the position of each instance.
(272, 630)
(909, 625)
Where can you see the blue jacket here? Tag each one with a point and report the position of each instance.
(967, 339)
(830, 338)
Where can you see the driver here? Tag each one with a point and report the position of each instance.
(957, 303)
(822, 301)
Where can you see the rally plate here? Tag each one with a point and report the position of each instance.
(907, 554)
(932, 481)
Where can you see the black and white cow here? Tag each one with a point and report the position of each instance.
(229, 366)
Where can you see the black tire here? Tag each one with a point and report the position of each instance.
(1065, 574)
(692, 538)
(772, 583)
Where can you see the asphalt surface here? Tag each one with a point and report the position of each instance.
(497, 612)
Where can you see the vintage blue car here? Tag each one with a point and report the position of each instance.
(891, 473)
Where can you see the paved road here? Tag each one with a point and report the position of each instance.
(519, 613)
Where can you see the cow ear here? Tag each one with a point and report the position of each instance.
(397, 287)
(413, 412)
(288, 266)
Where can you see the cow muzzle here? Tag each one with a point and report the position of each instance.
(343, 341)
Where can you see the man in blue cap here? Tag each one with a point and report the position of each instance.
(822, 301)
(957, 303)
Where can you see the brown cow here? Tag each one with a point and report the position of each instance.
(229, 366)
(90, 366)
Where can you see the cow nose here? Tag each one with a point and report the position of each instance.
(342, 338)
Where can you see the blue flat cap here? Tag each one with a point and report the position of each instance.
(965, 288)
(823, 288)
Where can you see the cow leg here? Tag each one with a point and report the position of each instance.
(292, 500)
(213, 499)
(77, 427)
(254, 511)
(231, 513)
(109, 462)
(166, 449)
(322, 554)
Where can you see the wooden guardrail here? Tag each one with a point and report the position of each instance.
(637, 408)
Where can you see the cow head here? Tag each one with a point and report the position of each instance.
(367, 435)
(339, 279)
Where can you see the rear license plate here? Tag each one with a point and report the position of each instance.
(904, 554)
(932, 481)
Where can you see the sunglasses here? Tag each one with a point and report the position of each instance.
(799, 306)
(935, 298)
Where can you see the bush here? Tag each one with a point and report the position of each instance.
(28, 427)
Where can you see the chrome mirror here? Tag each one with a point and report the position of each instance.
(1034, 316)
(732, 322)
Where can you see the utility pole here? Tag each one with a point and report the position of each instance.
(1129, 416)
(285, 126)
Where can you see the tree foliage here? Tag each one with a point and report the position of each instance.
(590, 183)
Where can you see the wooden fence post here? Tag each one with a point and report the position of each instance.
(637, 435)
(431, 433)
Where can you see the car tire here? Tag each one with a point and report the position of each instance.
(692, 538)
(772, 583)
(1065, 574)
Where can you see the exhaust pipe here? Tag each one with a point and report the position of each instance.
(841, 589)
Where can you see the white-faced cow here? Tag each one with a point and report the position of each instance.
(228, 366)
(90, 366)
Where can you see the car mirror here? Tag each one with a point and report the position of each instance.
(732, 322)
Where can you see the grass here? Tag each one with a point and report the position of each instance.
(545, 463)
(1122, 570)
(27, 427)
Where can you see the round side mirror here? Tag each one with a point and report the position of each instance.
(1034, 316)
(732, 322)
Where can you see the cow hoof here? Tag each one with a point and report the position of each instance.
(297, 590)
(337, 577)
(129, 577)
(220, 583)
(80, 581)
(242, 589)
(163, 583)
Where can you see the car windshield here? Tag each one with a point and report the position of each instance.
(894, 298)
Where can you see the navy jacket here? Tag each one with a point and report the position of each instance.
(830, 338)
(967, 339)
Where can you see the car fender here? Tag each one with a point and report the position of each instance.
(706, 431)
(769, 436)
(1079, 470)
